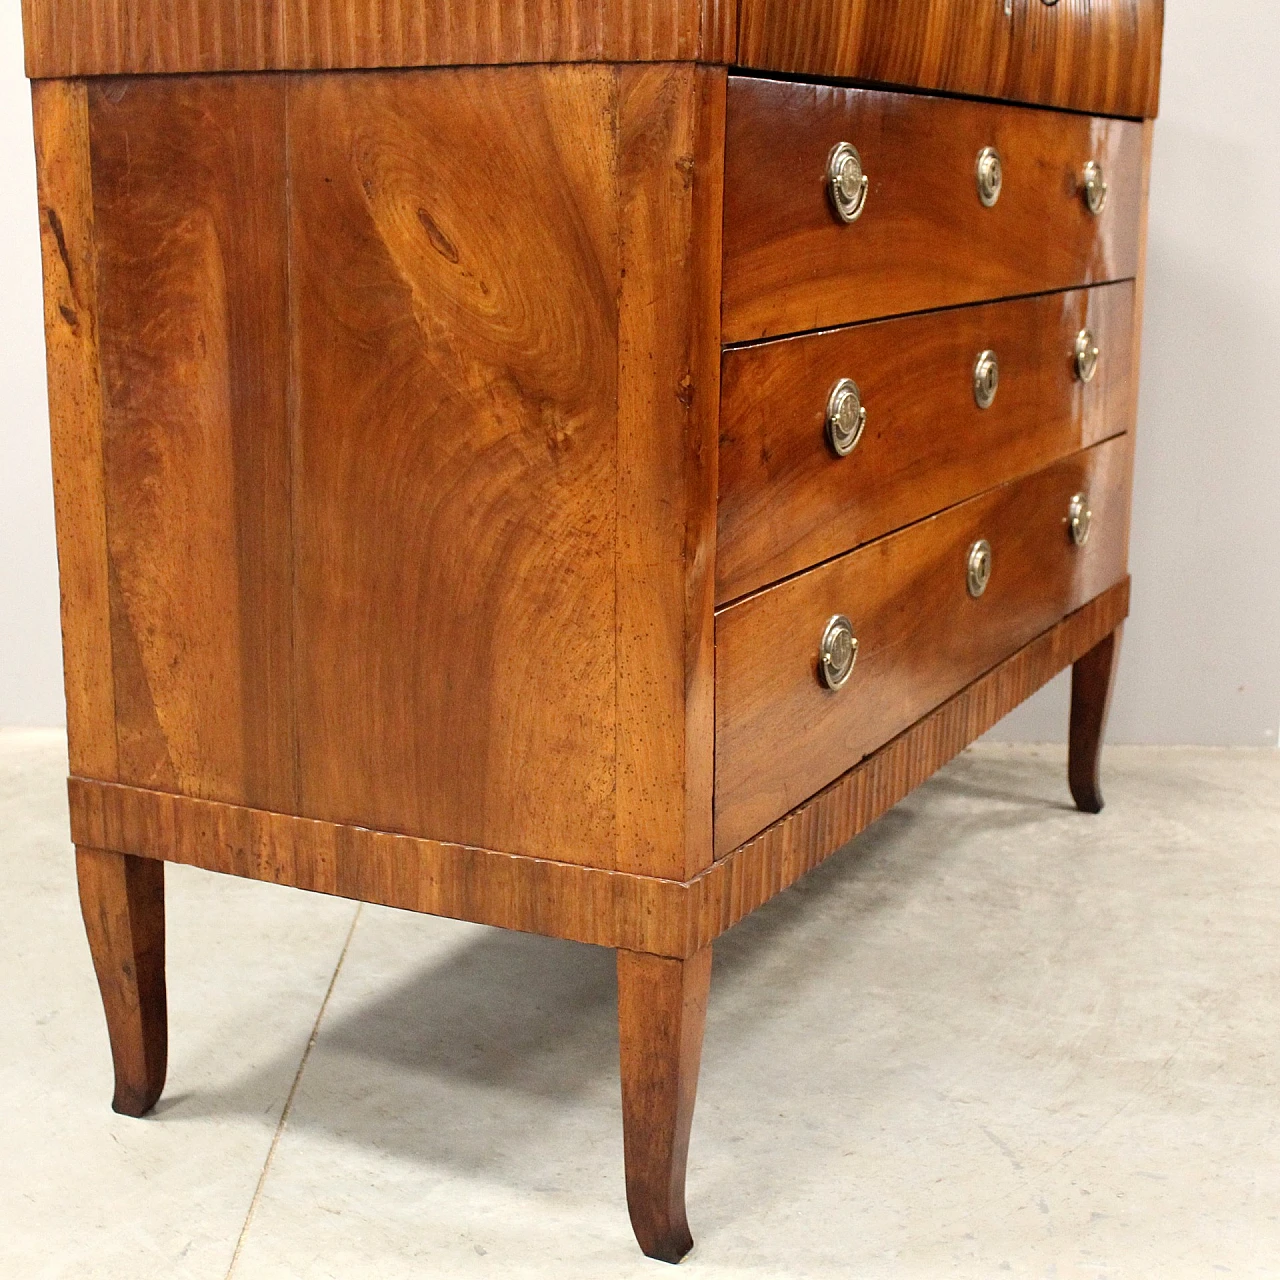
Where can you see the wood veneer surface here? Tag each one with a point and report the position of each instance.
(367, 536)
(1091, 55)
(787, 501)
(924, 240)
(781, 735)
(609, 908)
(114, 37)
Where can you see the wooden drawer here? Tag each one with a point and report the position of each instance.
(788, 500)
(781, 735)
(925, 239)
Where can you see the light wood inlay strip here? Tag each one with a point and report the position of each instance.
(609, 908)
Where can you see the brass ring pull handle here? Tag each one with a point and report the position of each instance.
(839, 653)
(1087, 354)
(1095, 188)
(990, 176)
(846, 417)
(1080, 519)
(979, 568)
(846, 182)
(986, 379)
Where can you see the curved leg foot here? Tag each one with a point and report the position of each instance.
(122, 900)
(1092, 679)
(662, 1011)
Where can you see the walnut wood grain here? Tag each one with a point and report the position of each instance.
(781, 735)
(122, 901)
(506, 416)
(1092, 682)
(534, 895)
(455, 492)
(752, 874)
(608, 908)
(189, 191)
(925, 239)
(69, 256)
(486, 425)
(670, 188)
(114, 37)
(787, 501)
(662, 1014)
(1091, 55)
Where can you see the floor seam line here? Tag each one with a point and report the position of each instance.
(293, 1090)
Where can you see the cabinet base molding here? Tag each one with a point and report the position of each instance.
(535, 895)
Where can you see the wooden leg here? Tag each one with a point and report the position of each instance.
(122, 900)
(662, 1011)
(1092, 679)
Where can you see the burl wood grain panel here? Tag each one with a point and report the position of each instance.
(925, 239)
(189, 208)
(1091, 55)
(504, 447)
(788, 501)
(609, 908)
(781, 735)
(456, 494)
(112, 37)
(61, 114)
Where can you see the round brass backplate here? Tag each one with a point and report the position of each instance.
(986, 379)
(839, 653)
(846, 417)
(990, 176)
(846, 183)
(979, 567)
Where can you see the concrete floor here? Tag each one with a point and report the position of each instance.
(993, 1037)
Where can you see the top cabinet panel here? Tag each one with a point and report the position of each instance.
(117, 37)
(1100, 56)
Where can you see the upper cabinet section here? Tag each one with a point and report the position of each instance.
(1100, 56)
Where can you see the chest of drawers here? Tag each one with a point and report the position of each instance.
(573, 469)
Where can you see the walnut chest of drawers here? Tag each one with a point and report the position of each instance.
(572, 466)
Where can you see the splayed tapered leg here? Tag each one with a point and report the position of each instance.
(1092, 680)
(122, 900)
(662, 1012)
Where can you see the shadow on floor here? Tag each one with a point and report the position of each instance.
(515, 1028)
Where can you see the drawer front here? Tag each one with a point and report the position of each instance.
(788, 500)
(1091, 55)
(924, 238)
(782, 735)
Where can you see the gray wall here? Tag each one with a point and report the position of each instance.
(1202, 651)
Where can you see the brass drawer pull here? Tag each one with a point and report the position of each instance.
(846, 182)
(839, 653)
(979, 567)
(1086, 355)
(990, 175)
(986, 379)
(1095, 188)
(1080, 519)
(846, 417)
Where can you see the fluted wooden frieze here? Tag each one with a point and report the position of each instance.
(105, 37)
